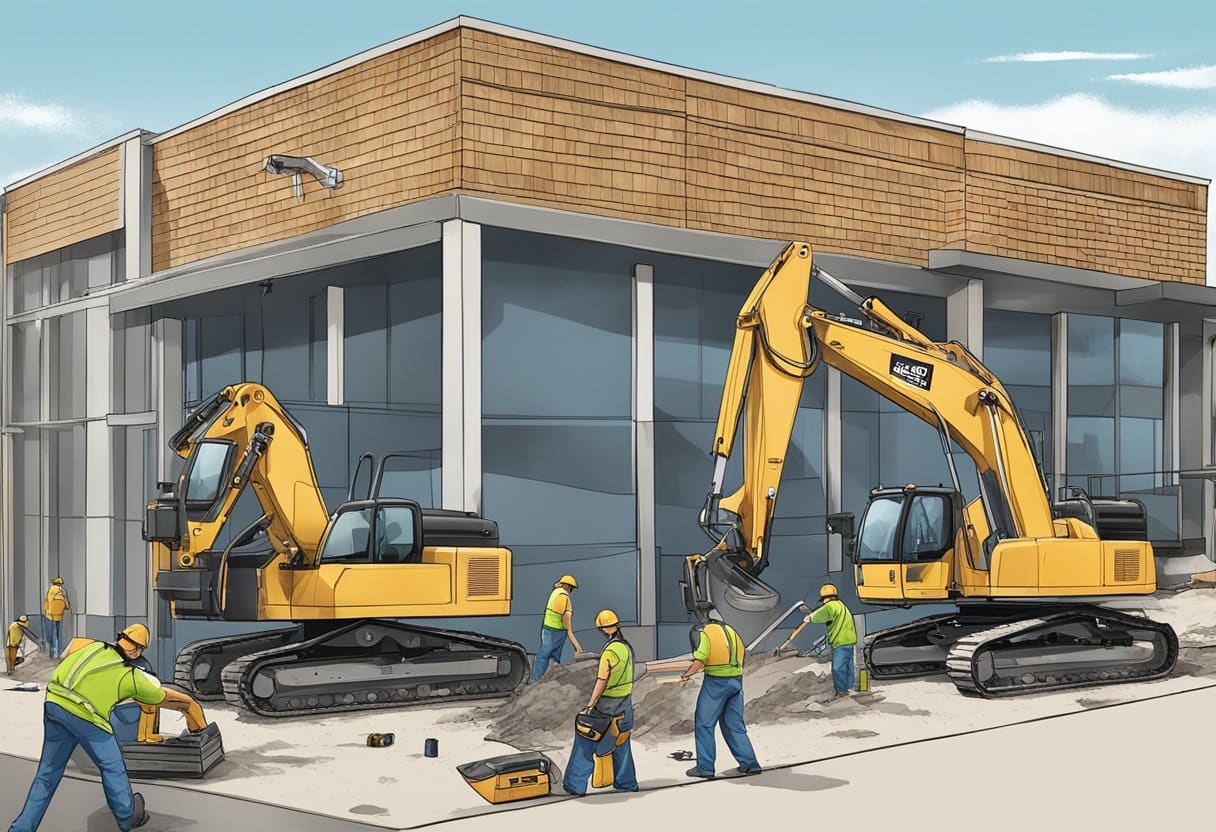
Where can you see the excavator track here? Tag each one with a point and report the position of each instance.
(374, 663)
(200, 663)
(908, 650)
(1061, 649)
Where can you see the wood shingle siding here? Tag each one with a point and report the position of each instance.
(76, 203)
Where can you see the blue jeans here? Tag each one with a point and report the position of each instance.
(720, 702)
(61, 733)
(551, 644)
(842, 668)
(582, 755)
(54, 638)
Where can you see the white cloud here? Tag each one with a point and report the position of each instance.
(20, 173)
(1041, 57)
(1188, 78)
(1177, 141)
(48, 118)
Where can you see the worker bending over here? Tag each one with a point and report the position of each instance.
(720, 653)
(842, 635)
(559, 613)
(18, 632)
(611, 757)
(93, 677)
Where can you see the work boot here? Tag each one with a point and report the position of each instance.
(138, 815)
(696, 772)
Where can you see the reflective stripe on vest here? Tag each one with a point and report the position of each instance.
(620, 678)
(79, 672)
(553, 618)
(724, 651)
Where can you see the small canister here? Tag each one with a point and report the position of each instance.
(863, 679)
(379, 740)
(432, 747)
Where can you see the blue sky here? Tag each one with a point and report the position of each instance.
(1134, 81)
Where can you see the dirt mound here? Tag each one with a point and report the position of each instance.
(541, 716)
(36, 668)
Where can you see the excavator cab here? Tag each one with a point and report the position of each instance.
(904, 544)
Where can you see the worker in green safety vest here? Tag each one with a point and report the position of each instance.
(842, 635)
(610, 758)
(93, 677)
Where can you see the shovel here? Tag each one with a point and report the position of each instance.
(785, 650)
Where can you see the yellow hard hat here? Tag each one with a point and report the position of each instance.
(136, 634)
(606, 618)
(568, 579)
(827, 589)
(58, 582)
(23, 619)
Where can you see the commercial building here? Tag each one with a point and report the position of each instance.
(528, 279)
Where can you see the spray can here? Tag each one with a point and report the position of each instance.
(379, 740)
(432, 747)
(863, 679)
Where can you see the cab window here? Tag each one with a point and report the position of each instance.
(209, 466)
(925, 537)
(348, 538)
(876, 540)
(394, 535)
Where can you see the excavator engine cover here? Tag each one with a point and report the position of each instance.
(509, 777)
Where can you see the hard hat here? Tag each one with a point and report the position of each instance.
(58, 582)
(23, 619)
(827, 589)
(568, 579)
(136, 634)
(606, 618)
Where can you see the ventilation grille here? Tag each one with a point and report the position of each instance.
(484, 578)
(1127, 565)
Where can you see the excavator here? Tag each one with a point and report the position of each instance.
(1038, 588)
(342, 580)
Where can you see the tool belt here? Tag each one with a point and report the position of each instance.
(592, 725)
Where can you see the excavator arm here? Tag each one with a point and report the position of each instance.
(780, 341)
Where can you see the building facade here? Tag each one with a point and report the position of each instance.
(528, 281)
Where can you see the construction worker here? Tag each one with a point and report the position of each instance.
(842, 635)
(18, 632)
(56, 604)
(93, 677)
(720, 654)
(556, 627)
(610, 758)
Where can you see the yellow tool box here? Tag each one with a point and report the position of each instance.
(509, 777)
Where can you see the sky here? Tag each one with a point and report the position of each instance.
(1133, 81)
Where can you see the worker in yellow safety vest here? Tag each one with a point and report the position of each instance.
(557, 626)
(720, 654)
(842, 636)
(609, 758)
(93, 677)
(56, 605)
(18, 632)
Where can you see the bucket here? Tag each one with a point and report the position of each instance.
(432, 747)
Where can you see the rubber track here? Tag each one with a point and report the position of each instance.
(183, 668)
(908, 669)
(961, 662)
(238, 675)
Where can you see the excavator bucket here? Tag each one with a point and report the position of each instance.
(742, 600)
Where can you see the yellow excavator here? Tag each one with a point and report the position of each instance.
(1035, 585)
(343, 579)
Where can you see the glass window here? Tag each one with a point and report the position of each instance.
(394, 534)
(208, 470)
(348, 537)
(876, 539)
(926, 535)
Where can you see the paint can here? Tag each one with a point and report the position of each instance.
(379, 740)
(432, 747)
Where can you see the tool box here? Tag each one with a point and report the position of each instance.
(509, 777)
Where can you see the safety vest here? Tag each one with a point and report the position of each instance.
(15, 633)
(620, 678)
(553, 618)
(91, 681)
(841, 632)
(56, 603)
(725, 650)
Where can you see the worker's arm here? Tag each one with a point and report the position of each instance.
(693, 669)
(567, 617)
(698, 658)
(823, 615)
(597, 692)
(175, 701)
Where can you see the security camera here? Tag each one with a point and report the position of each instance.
(295, 165)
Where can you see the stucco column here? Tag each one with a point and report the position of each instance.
(643, 416)
(1059, 401)
(832, 464)
(461, 430)
(965, 317)
(166, 383)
